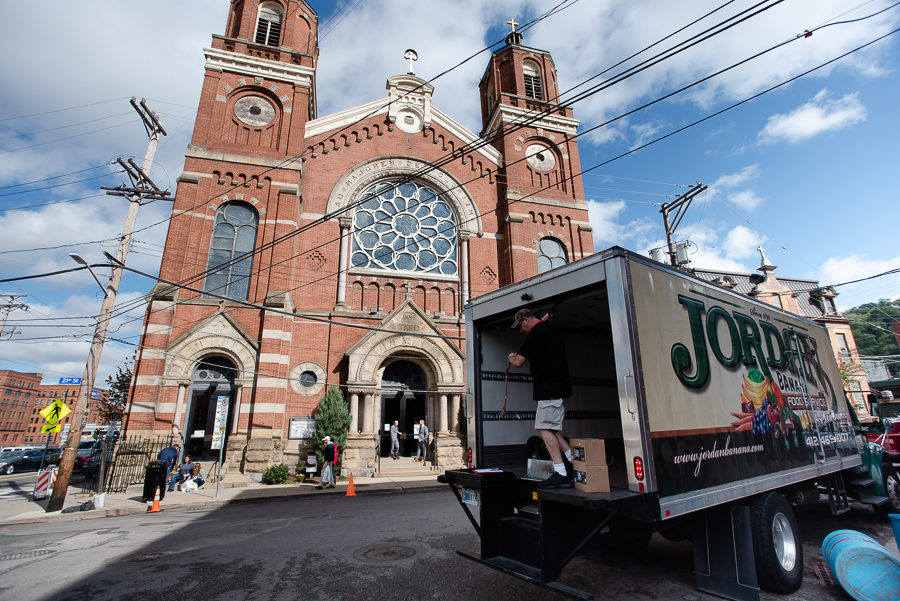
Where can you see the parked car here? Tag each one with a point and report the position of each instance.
(22, 461)
(91, 465)
(85, 448)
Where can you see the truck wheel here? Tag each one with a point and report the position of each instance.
(776, 544)
(892, 486)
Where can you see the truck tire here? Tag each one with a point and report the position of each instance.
(776, 544)
(892, 488)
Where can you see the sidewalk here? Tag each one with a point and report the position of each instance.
(24, 510)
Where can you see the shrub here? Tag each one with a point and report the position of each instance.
(277, 474)
(332, 418)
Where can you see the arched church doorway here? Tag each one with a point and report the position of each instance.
(404, 398)
(212, 393)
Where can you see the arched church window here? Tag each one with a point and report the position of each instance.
(231, 251)
(268, 25)
(406, 227)
(551, 253)
(533, 87)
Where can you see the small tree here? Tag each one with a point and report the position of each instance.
(332, 419)
(113, 406)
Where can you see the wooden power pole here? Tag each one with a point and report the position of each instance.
(142, 188)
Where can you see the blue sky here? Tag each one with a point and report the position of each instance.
(808, 171)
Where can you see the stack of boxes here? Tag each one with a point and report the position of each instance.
(589, 461)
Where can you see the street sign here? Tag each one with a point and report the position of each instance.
(95, 394)
(50, 428)
(70, 380)
(55, 411)
(221, 421)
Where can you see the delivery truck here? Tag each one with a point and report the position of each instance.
(696, 411)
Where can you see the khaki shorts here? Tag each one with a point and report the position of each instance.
(550, 415)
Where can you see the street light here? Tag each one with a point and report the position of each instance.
(79, 259)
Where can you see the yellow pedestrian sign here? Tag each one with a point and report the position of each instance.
(50, 428)
(55, 412)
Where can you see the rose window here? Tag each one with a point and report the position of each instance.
(404, 228)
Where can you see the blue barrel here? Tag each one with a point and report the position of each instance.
(866, 570)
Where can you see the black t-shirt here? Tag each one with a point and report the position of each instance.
(545, 350)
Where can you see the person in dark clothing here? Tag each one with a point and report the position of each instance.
(185, 471)
(545, 351)
(329, 454)
(170, 456)
(422, 446)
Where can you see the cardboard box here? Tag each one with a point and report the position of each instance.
(591, 478)
(590, 451)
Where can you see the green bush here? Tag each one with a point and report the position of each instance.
(277, 474)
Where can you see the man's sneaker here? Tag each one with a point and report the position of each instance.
(555, 480)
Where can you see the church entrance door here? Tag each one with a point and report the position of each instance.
(403, 398)
(211, 381)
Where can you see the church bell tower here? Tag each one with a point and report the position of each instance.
(542, 197)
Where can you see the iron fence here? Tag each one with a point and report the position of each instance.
(128, 461)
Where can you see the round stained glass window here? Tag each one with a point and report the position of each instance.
(405, 227)
(308, 379)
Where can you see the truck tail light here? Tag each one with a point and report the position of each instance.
(638, 468)
(469, 456)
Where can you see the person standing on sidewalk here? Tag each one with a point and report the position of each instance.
(545, 351)
(422, 448)
(395, 440)
(329, 454)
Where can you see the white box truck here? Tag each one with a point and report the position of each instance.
(717, 411)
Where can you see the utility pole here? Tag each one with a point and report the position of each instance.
(8, 308)
(142, 188)
(680, 206)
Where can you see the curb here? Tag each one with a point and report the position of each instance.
(289, 494)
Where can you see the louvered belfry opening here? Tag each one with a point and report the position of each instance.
(533, 87)
(268, 27)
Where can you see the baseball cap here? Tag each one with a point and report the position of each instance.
(326, 439)
(521, 314)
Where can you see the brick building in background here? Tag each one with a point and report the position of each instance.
(340, 250)
(22, 396)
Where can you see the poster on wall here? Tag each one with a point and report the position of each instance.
(302, 428)
(218, 433)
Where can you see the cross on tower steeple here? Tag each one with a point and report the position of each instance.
(512, 23)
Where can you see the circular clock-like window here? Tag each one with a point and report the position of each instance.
(254, 110)
(540, 157)
(308, 379)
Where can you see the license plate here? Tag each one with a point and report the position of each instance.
(469, 496)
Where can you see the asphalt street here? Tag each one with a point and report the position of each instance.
(385, 546)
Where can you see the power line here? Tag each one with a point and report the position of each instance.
(69, 108)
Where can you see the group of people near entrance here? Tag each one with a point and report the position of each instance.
(189, 473)
(545, 352)
(421, 447)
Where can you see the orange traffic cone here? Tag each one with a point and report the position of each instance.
(155, 507)
(351, 492)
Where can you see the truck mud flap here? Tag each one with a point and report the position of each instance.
(724, 564)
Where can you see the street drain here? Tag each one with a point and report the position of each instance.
(823, 572)
(389, 553)
(26, 554)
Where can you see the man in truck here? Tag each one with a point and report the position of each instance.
(545, 351)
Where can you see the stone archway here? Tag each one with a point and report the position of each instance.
(406, 334)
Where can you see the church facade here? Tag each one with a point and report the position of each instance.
(307, 251)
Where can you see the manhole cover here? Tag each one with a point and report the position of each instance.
(26, 554)
(389, 553)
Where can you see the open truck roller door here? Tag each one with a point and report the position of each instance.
(714, 410)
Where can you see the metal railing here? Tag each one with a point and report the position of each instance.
(128, 462)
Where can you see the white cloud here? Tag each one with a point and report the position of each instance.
(603, 217)
(746, 199)
(819, 115)
(733, 180)
(837, 270)
(741, 242)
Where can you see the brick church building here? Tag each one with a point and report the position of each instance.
(311, 251)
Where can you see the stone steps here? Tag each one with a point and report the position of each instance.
(404, 466)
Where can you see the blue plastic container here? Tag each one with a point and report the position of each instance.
(866, 570)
